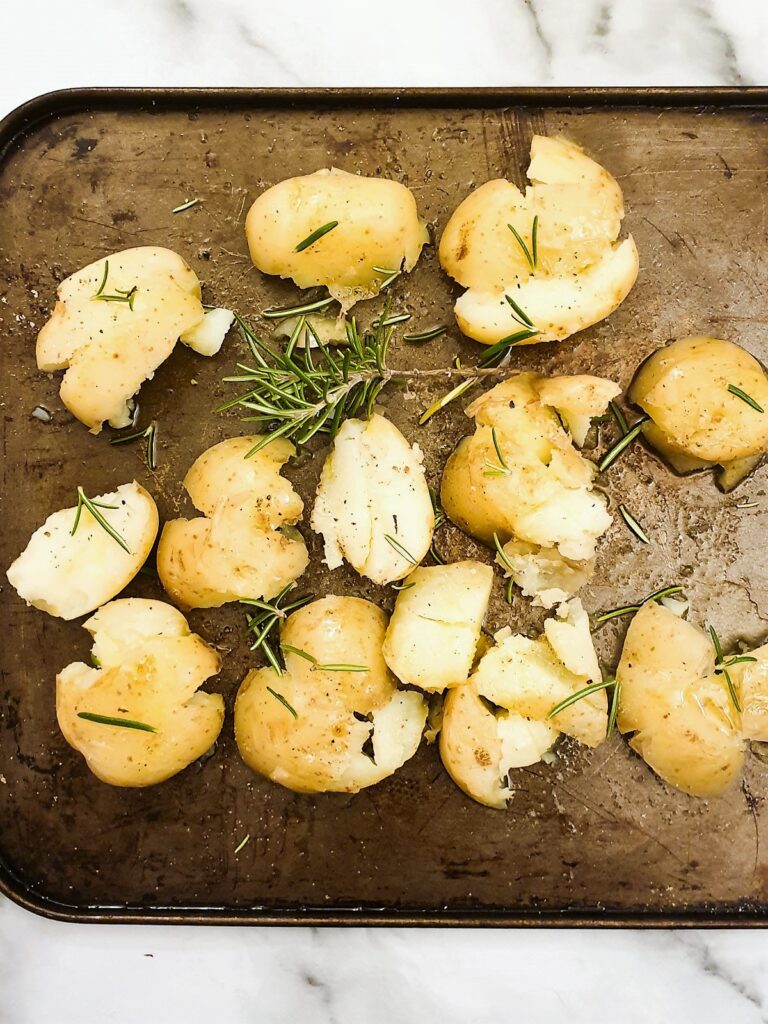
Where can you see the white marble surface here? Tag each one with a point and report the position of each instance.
(81, 974)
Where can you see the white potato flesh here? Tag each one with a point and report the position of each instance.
(751, 682)
(578, 399)
(306, 728)
(372, 488)
(479, 748)
(558, 306)
(581, 274)
(208, 335)
(695, 420)
(529, 677)
(68, 575)
(435, 627)
(150, 669)
(109, 348)
(377, 226)
(543, 495)
(678, 711)
(244, 545)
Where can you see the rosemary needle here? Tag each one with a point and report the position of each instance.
(531, 254)
(502, 554)
(123, 723)
(315, 235)
(307, 307)
(268, 616)
(321, 667)
(495, 353)
(722, 664)
(402, 586)
(745, 397)
(428, 335)
(592, 688)
(633, 524)
(150, 451)
(520, 315)
(628, 609)
(400, 549)
(185, 206)
(624, 442)
(618, 415)
(283, 701)
(93, 507)
(242, 843)
(445, 400)
(615, 698)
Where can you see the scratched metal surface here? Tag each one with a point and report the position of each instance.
(596, 836)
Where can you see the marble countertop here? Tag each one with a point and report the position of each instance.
(62, 973)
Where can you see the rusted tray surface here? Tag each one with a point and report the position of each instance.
(596, 838)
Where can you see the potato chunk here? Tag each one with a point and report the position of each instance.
(580, 273)
(498, 721)
(68, 574)
(678, 711)
(334, 720)
(115, 322)
(373, 505)
(377, 228)
(539, 499)
(244, 545)
(150, 668)
(696, 419)
(433, 633)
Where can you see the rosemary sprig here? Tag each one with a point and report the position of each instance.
(269, 614)
(722, 664)
(126, 295)
(585, 692)
(287, 311)
(532, 254)
(150, 435)
(279, 697)
(404, 552)
(427, 335)
(315, 235)
(186, 206)
(624, 442)
(629, 609)
(93, 507)
(633, 525)
(745, 397)
(319, 666)
(123, 723)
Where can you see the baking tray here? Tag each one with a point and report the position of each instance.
(595, 839)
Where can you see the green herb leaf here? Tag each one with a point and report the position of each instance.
(495, 353)
(745, 397)
(502, 555)
(150, 450)
(427, 335)
(520, 315)
(624, 442)
(393, 543)
(287, 311)
(122, 723)
(402, 586)
(531, 257)
(721, 664)
(615, 697)
(441, 403)
(579, 695)
(315, 235)
(629, 609)
(633, 524)
(93, 507)
(618, 415)
(283, 701)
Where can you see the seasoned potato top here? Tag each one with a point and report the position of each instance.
(375, 225)
(687, 388)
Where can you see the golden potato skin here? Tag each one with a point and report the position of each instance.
(580, 273)
(432, 636)
(151, 666)
(69, 575)
(378, 226)
(244, 545)
(693, 416)
(306, 729)
(677, 710)
(110, 348)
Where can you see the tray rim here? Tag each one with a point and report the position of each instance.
(31, 115)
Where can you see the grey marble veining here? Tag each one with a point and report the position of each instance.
(57, 974)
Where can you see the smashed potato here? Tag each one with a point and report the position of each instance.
(538, 499)
(677, 710)
(70, 574)
(499, 719)
(373, 505)
(334, 720)
(433, 633)
(553, 251)
(244, 545)
(115, 321)
(697, 393)
(145, 717)
(376, 231)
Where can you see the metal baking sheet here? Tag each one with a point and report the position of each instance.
(595, 838)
